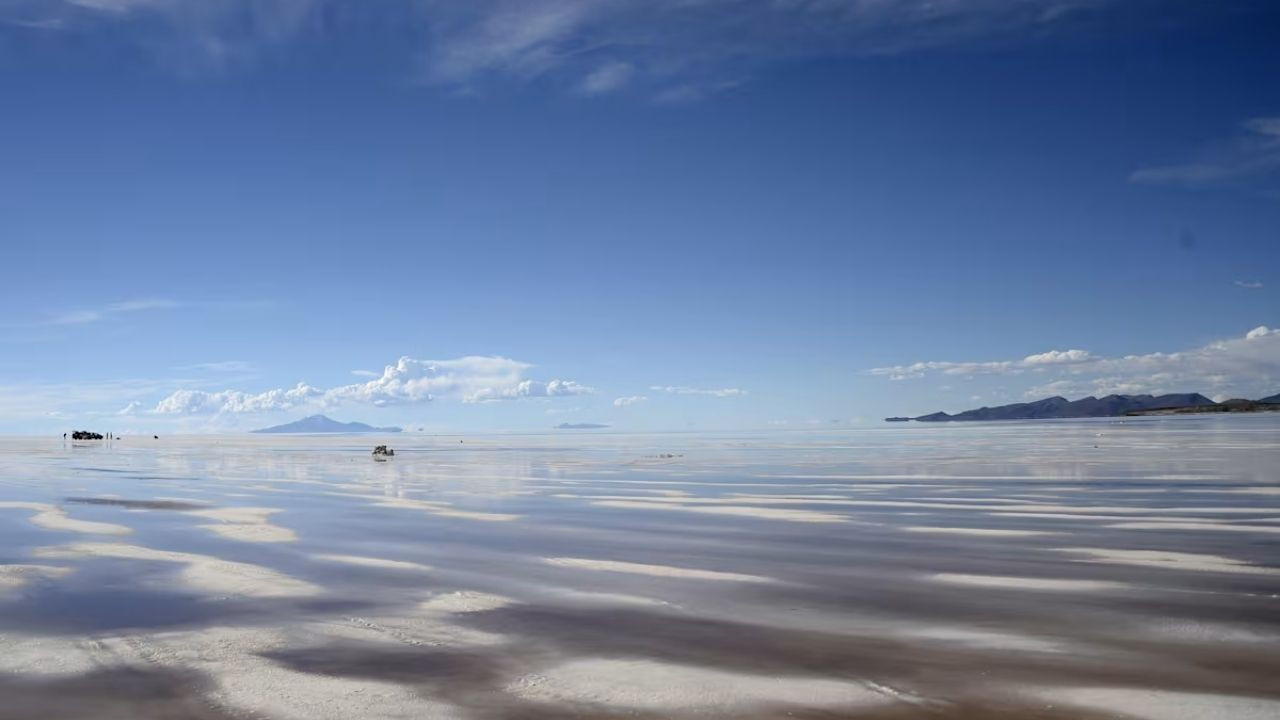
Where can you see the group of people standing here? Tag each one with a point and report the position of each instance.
(86, 435)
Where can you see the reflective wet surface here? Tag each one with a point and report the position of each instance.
(1070, 569)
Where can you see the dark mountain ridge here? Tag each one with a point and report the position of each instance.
(1109, 406)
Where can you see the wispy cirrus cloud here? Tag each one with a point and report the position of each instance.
(710, 392)
(1251, 156)
(103, 312)
(122, 308)
(610, 76)
(133, 408)
(1241, 366)
(666, 49)
(1249, 284)
(30, 400)
(222, 366)
(629, 400)
(187, 36)
(677, 50)
(473, 379)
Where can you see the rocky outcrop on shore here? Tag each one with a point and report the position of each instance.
(1236, 405)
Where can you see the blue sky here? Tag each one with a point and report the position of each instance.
(665, 215)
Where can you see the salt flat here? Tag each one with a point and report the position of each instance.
(1065, 569)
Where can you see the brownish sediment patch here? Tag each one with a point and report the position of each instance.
(246, 683)
(935, 680)
(121, 693)
(176, 505)
(751, 647)
(204, 573)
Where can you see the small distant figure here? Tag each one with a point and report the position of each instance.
(155, 437)
(382, 452)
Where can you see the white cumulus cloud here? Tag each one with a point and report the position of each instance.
(1057, 357)
(196, 402)
(469, 379)
(631, 400)
(530, 388)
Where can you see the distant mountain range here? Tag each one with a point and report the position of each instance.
(1109, 406)
(322, 424)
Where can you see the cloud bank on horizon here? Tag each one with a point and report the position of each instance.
(1247, 366)
(1241, 366)
(472, 379)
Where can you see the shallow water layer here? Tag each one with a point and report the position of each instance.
(1069, 569)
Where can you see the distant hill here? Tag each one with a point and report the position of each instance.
(580, 426)
(322, 424)
(1273, 399)
(1235, 405)
(1060, 407)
